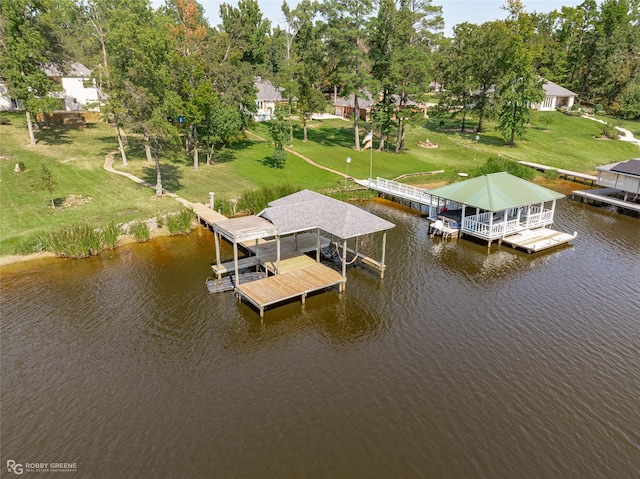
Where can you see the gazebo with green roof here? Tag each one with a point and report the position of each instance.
(502, 205)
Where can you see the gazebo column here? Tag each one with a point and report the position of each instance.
(461, 232)
(553, 209)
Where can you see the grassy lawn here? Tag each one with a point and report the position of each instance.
(76, 155)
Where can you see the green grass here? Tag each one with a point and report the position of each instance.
(75, 156)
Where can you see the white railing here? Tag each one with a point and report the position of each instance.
(405, 191)
(478, 225)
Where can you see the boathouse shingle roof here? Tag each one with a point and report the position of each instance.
(496, 192)
(306, 210)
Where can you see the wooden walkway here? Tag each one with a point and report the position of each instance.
(566, 173)
(289, 285)
(600, 196)
(539, 239)
(206, 215)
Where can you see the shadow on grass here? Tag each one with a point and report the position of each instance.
(53, 135)
(224, 156)
(331, 136)
(171, 176)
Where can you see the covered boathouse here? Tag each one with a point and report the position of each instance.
(498, 207)
(279, 237)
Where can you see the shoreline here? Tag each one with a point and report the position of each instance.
(13, 259)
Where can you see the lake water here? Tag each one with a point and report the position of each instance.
(460, 363)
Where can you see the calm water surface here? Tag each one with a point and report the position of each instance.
(458, 364)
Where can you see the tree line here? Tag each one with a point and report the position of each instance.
(179, 82)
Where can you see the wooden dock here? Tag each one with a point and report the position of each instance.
(600, 196)
(293, 284)
(538, 239)
(563, 173)
(205, 214)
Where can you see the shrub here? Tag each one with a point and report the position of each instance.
(551, 174)
(180, 223)
(254, 201)
(496, 165)
(160, 221)
(140, 231)
(609, 131)
(110, 235)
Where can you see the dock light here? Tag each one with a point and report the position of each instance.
(211, 199)
(345, 178)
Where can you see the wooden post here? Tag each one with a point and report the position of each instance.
(384, 247)
(277, 254)
(344, 259)
(318, 247)
(217, 242)
(257, 254)
(235, 261)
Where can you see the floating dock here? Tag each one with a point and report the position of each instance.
(601, 196)
(538, 239)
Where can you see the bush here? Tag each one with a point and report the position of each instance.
(609, 131)
(254, 201)
(599, 109)
(496, 165)
(180, 223)
(76, 241)
(140, 231)
(551, 174)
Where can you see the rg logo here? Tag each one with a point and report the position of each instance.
(13, 466)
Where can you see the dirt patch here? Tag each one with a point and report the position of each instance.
(73, 201)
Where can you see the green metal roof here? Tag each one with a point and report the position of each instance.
(496, 192)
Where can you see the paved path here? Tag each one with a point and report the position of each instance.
(308, 160)
(108, 166)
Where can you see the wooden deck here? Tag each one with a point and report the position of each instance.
(600, 196)
(289, 285)
(206, 215)
(539, 239)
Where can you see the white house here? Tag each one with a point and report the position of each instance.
(555, 97)
(79, 91)
(267, 98)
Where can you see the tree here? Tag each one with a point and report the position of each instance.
(162, 136)
(279, 130)
(28, 45)
(48, 182)
(630, 101)
(522, 87)
(247, 31)
(189, 31)
(348, 60)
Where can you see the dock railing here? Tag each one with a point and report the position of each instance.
(413, 193)
(478, 225)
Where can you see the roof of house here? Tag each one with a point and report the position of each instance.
(496, 192)
(553, 89)
(72, 69)
(364, 102)
(267, 91)
(306, 210)
(628, 167)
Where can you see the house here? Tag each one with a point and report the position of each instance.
(501, 207)
(555, 97)
(78, 90)
(267, 98)
(345, 107)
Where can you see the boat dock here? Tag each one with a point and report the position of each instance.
(289, 285)
(538, 239)
(563, 173)
(601, 196)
